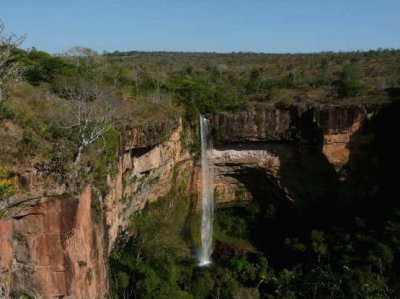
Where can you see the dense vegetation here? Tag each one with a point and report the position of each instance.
(228, 80)
(261, 251)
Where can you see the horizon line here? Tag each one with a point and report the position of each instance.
(116, 52)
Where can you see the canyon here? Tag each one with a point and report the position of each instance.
(56, 243)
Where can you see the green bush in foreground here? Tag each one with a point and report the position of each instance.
(8, 184)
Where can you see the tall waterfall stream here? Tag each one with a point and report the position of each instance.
(207, 192)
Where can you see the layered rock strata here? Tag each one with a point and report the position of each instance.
(297, 151)
(54, 243)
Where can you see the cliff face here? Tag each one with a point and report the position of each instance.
(52, 247)
(144, 174)
(54, 243)
(329, 125)
(290, 153)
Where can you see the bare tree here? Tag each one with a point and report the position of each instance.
(158, 79)
(9, 69)
(137, 79)
(89, 104)
(88, 110)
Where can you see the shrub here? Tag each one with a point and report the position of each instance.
(8, 184)
(29, 136)
(40, 66)
(7, 112)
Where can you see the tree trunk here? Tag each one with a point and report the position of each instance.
(78, 154)
(1, 94)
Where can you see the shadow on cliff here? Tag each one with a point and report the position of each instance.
(310, 193)
(303, 197)
(369, 184)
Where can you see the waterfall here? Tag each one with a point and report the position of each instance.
(207, 192)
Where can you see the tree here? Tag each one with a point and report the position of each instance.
(9, 69)
(137, 79)
(158, 79)
(89, 104)
(88, 111)
(348, 84)
(40, 66)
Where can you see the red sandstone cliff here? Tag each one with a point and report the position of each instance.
(51, 245)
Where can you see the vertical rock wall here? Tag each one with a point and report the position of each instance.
(51, 242)
(299, 150)
(54, 249)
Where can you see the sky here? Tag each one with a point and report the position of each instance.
(271, 26)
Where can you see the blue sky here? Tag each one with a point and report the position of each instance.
(205, 25)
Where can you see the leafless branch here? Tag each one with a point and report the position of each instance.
(9, 69)
(89, 108)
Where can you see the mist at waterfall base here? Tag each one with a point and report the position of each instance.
(207, 192)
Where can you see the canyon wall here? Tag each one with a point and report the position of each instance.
(329, 125)
(291, 153)
(55, 242)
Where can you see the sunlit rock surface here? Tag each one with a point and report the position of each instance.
(55, 243)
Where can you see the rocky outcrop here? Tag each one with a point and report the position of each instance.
(52, 248)
(144, 174)
(297, 151)
(329, 125)
(146, 136)
(230, 162)
(55, 243)
(336, 144)
(6, 256)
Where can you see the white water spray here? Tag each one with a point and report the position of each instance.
(207, 192)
